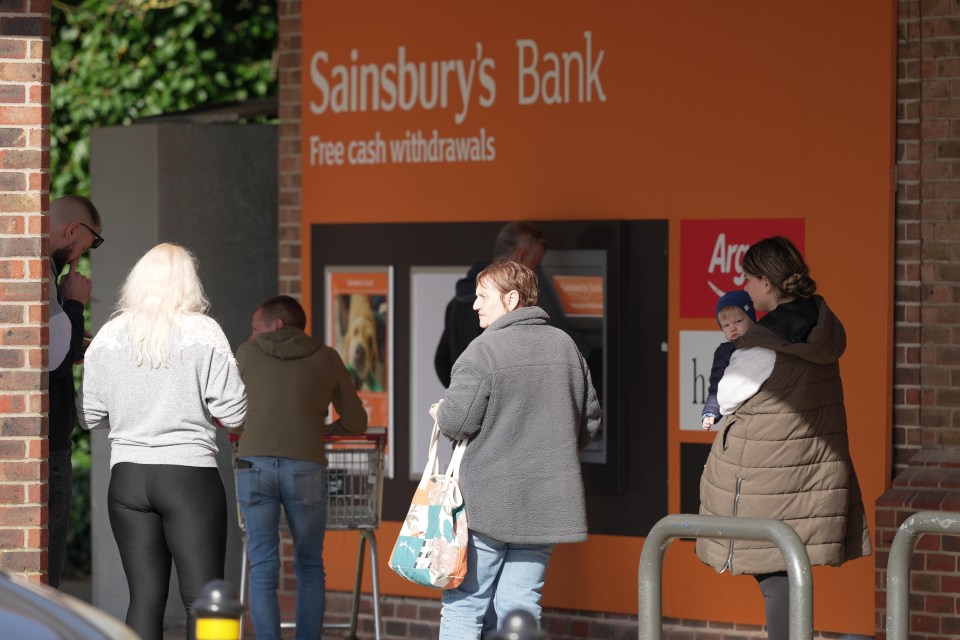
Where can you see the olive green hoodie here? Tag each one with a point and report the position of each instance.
(291, 380)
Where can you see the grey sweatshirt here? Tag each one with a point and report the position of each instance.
(163, 415)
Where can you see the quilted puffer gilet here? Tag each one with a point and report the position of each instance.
(784, 454)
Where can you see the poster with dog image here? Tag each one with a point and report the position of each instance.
(359, 327)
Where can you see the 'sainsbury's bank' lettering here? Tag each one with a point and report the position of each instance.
(546, 81)
(406, 84)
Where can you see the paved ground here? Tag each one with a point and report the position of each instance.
(81, 588)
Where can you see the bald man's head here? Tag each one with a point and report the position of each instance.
(74, 228)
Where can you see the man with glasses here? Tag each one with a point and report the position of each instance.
(74, 229)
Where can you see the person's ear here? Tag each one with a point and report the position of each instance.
(70, 230)
(513, 299)
(277, 324)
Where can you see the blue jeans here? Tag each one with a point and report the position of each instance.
(511, 575)
(301, 487)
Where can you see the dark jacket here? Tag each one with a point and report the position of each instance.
(522, 394)
(721, 358)
(61, 390)
(460, 324)
(784, 452)
(291, 380)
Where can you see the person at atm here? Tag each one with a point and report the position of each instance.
(521, 242)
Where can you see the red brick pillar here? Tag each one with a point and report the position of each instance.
(927, 356)
(288, 232)
(290, 28)
(24, 181)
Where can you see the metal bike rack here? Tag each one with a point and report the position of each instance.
(898, 566)
(671, 527)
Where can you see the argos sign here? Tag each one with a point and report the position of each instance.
(711, 257)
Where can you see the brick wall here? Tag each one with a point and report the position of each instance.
(406, 618)
(289, 146)
(927, 313)
(288, 216)
(907, 372)
(24, 180)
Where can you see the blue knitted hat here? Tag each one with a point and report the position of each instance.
(737, 298)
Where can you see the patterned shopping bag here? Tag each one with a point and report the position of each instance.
(432, 547)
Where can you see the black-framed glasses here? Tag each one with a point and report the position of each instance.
(97, 238)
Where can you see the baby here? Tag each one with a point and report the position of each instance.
(735, 314)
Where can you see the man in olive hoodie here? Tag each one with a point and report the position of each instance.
(291, 380)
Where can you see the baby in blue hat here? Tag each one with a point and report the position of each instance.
(735, 314)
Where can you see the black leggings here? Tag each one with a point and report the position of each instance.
(159, 512)
(776, 601)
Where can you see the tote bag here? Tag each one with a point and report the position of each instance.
(432, 547)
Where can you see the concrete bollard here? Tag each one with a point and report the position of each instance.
(217, 612)
(518, 625)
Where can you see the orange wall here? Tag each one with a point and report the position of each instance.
(741, 109)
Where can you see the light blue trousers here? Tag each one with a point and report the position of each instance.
(511, 575)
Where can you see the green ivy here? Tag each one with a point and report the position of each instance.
(114, 62)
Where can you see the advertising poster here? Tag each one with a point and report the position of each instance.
(696, 360)
(711, 257)
(360, 328)
(711, 264)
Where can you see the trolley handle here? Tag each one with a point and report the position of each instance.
(378, 436)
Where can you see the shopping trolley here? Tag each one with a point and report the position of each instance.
(355, 475)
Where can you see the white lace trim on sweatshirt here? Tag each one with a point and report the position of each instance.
(195, 330)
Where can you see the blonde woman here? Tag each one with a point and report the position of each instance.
(159, 375)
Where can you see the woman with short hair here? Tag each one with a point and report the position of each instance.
(522, 394)
(159, 375)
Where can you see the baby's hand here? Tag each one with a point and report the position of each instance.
(708, 423)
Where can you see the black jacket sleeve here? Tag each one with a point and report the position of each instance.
(721, 358)
(442, 360)
(74, 311)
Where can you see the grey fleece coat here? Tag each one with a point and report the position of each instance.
(784, 453)
(523, 395)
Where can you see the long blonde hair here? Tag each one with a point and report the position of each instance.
(160, 291)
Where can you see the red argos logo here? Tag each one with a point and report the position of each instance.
(711, 257)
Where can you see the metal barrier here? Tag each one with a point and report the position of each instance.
(898, 565)
(693, 526)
